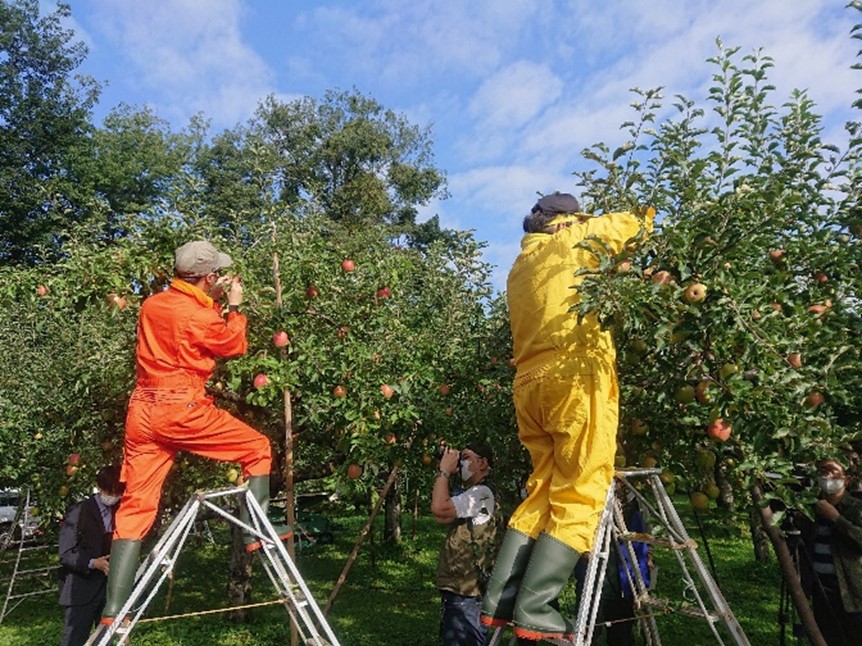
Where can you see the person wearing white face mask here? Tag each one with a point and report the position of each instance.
(837, 558)
(467, 555)
(84, 549)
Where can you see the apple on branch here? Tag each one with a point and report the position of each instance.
(694, 293)
(280, 339)
(662, 277)
(348, 265)
(719, 430)
(261, 381)
(387, 391)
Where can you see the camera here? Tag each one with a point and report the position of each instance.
(439, 450)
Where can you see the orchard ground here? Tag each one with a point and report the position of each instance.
(389, 596)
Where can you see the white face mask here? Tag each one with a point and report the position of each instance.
(831, 486)
(108, 500)
(466, 472)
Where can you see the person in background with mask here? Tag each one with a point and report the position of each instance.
(837, 558)
(465, 560)
(85, 545)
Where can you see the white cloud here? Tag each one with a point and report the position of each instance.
(514, 95)
(190, 52)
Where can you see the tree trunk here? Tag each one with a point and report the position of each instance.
(239, 575)
(759, 539)
(725, 496)
(392, 515)
(788, 571)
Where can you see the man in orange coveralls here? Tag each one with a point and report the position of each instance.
(566, 402)
(181, 332)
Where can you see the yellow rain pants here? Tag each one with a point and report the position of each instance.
(565, 391)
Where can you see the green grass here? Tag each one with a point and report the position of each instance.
(389, 596)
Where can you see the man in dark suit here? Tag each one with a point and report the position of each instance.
(85, 547)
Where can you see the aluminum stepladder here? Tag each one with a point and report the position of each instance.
(612, 534)
(26, 563)
(311, 625)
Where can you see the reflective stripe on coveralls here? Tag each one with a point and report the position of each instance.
(565, 391)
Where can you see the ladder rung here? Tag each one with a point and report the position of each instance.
(640, 537)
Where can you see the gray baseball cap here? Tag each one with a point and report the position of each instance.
(199, 258)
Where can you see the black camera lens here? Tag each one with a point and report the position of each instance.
(439, 451)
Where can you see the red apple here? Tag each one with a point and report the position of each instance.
(384, 293)
(795, 360)
(342, 331)
(694, 293)
(312, 292)
(777, 256)
(354, 471)
(261, 380)
(74, 458)
(443, 389)
(814, 399)
(662, 277)
(818, 308)
(387, 391)
(280, 339)
(116, 301)
(624, 267)
(820, 277)
(71, 469)
(719, 430)
(348, 265)
(339, 392)
(42, 290)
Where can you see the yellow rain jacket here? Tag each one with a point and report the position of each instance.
(565, 390)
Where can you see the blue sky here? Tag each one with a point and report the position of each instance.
(513, 90)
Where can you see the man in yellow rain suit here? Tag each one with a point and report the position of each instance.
(567, 403)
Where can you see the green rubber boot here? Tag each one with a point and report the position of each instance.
(536, 615)
(498, 602)
(121, 576)
(259, 487)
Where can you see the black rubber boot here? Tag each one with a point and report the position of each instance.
(259, 488)
(498, 602)
(536, 614)
(121, 576)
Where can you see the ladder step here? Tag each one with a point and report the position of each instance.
(658, 540)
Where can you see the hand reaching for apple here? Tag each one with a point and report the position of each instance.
(234, 294)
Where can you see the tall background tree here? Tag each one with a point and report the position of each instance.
(45, 113)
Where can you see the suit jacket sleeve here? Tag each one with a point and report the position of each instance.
(74, 554)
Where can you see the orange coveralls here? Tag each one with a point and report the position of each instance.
(180, 333)
(565, 390)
